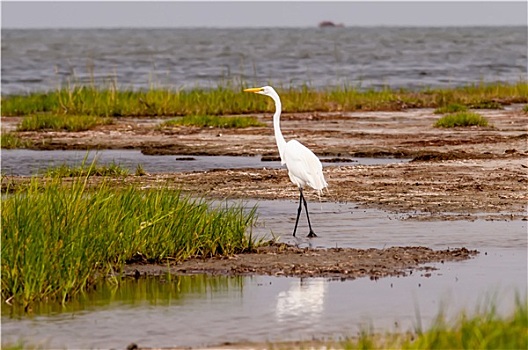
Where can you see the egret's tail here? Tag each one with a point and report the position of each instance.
(320, 191)
(319, 184)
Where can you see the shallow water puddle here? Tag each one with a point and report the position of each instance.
(30, 162)
(206, 310)
(200, 310)
(346, 225)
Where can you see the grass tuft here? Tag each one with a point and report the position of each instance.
(11, 140)
(61, 238)
(451, 108)
(64, 170)
(204, 121)
(462, 119)
(140, 171)
(486, 105)
(57, 122)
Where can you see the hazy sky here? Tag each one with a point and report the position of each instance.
(87, 14)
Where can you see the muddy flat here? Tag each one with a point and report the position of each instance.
(403, 134)
(454, 173)
(280, 259)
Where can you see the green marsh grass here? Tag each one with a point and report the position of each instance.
(486, 330)
(58, 122)
(140, 171)
(59, 237)
(230, 100)
(461, 119)
(93, 169)
(451, 108)
(486, 105)
(213, 121)
(10, 140)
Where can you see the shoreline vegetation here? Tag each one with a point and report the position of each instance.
(59, 237)
(86, 107)
(229, 100)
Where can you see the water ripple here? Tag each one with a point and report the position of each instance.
(35, 60)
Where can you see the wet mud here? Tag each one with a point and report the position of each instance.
(280, 259)
(454, 173)
(405, 134)
(427, 191)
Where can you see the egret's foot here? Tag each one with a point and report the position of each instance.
(311, 234)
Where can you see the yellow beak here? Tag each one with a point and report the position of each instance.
(253, 90)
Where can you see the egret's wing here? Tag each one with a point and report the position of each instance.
(304, 165)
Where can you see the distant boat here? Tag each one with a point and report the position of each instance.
(329, 24)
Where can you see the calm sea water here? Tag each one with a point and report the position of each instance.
(39, 60)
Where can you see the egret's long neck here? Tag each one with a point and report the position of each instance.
(281, 143)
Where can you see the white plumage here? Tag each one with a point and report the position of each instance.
(304, 168)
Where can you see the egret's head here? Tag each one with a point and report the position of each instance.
(265, 90)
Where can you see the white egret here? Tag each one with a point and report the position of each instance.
(304, 168)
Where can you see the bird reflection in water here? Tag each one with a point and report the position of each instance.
(303, 302)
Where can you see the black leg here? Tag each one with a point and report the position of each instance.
(298, 211)
(312, 233)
